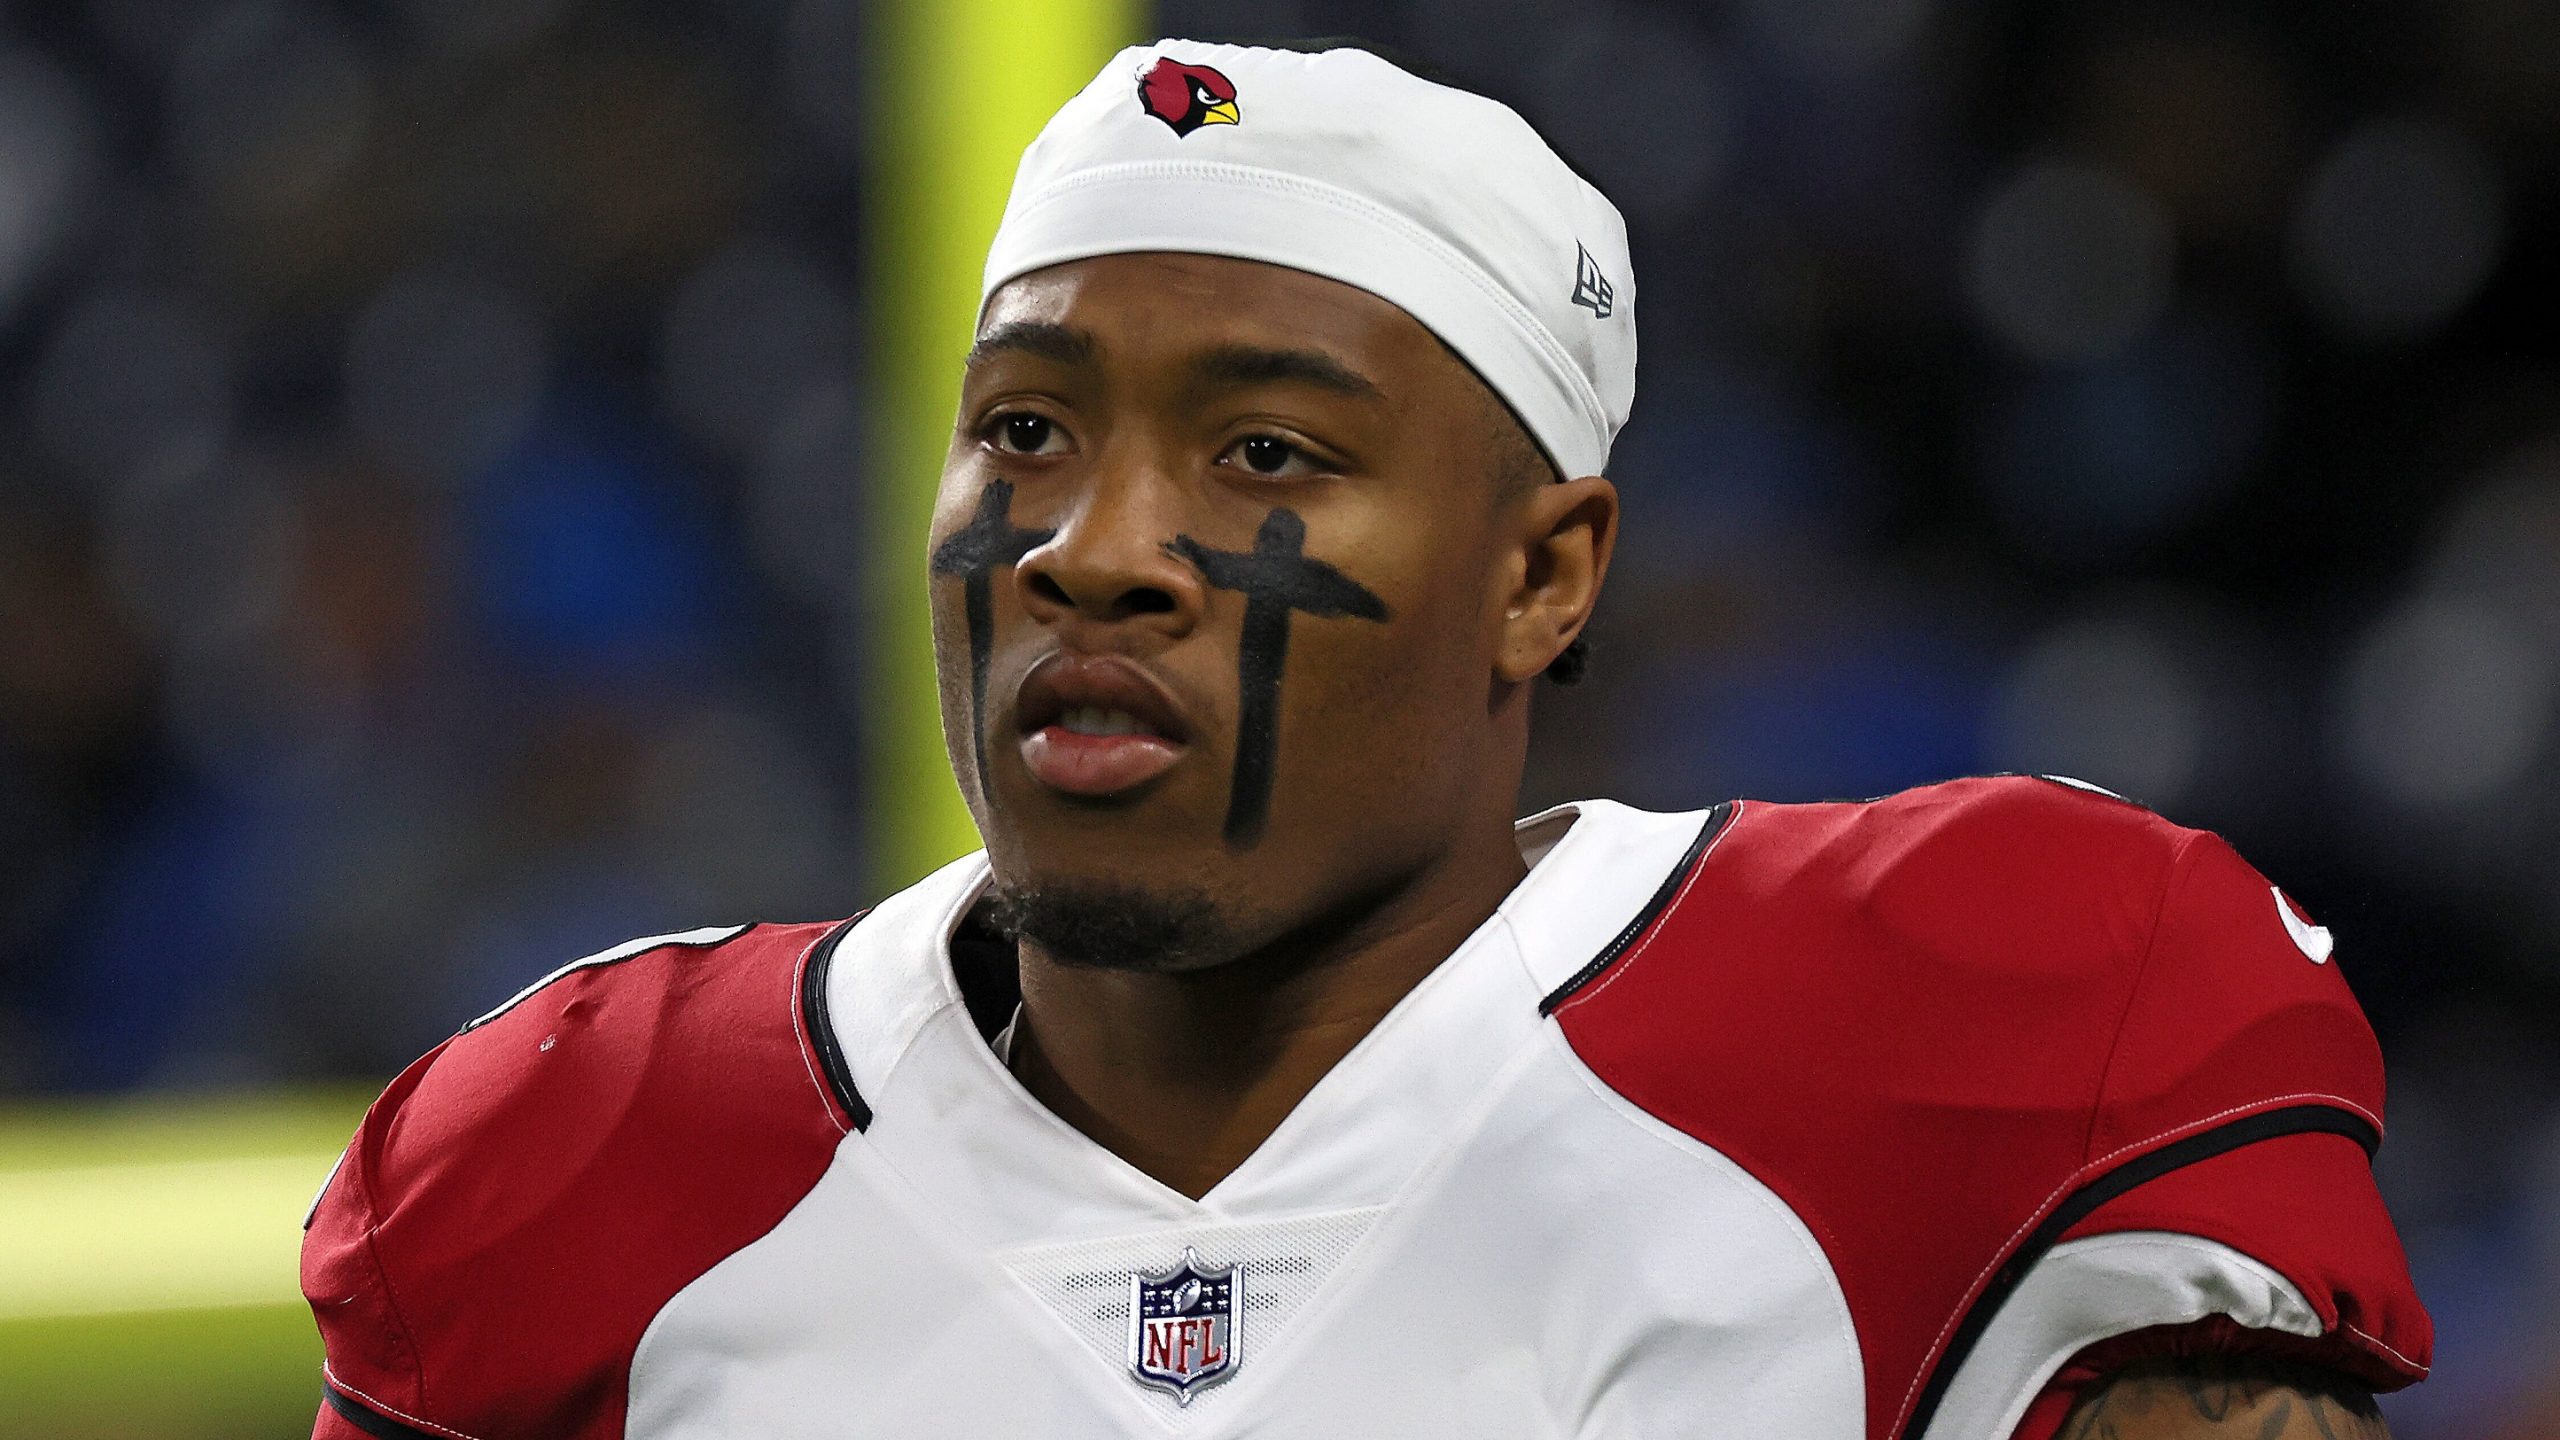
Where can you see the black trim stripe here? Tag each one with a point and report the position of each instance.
(820, 1029)
(1708, 829)
(369, 1420)
(2133, 1174)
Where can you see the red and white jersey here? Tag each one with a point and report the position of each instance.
(1804, 1122)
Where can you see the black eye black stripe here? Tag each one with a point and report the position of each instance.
(988, 543)
(1277, 580)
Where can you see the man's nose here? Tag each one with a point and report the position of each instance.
(1107, 563)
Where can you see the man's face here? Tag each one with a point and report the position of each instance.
(1219, 576)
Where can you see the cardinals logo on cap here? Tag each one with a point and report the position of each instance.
(1186, 97)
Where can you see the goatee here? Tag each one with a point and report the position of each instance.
(1104, 926)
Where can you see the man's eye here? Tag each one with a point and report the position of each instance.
(1270, 455)
(1025, 434)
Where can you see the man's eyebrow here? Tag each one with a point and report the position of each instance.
(1045, 339)
(1231, 367)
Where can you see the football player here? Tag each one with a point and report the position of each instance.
(1264, 1077)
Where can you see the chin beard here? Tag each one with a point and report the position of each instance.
(1099, 925)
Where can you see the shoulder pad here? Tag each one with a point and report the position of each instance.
(522, 1200)
(1929, 1021)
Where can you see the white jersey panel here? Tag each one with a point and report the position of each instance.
(860, 1316)
(2085, 1291)
(1570, 1269)
(1459, 1231)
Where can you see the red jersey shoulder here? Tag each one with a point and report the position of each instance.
(1929, 1021)
(1961, 921)
(522, 1200)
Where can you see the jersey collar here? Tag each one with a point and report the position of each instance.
(960, 1129)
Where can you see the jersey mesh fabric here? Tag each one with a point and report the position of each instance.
(1085, 1283)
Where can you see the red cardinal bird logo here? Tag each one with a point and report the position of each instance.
(1186, 97)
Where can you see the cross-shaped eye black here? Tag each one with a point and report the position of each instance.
(1276, 580)
(989, 542)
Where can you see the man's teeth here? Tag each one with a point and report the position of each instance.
(1094, 720)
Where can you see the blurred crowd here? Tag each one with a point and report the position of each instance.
(432, 464)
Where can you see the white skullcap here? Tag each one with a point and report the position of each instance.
(1339, 163)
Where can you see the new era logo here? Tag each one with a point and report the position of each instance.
(1591, 289)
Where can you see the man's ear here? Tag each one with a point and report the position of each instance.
(1560, 538)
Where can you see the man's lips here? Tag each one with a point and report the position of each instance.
(1067, 696)
(1095, 764)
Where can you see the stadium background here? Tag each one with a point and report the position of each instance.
(460, 484)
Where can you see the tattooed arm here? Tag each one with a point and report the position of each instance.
(2218, 1397)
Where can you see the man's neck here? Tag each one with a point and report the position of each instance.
(1185, 1075)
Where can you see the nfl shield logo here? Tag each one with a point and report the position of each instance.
(1182, 1325)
